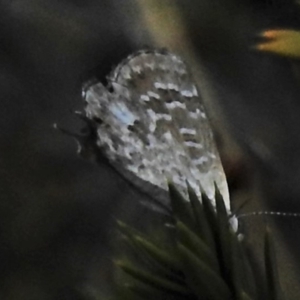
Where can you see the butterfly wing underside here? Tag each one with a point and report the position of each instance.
(153, 125)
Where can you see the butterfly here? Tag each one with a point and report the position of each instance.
(151, 125)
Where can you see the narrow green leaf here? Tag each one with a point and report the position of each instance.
(224, 241)
(202, 225)
(242, 269)
(272, 275)
(122, 292)
(203, 280)
(244, 296)
(240, 272)
(132, 235)
(150, 292)
(237, 269)
(193, 242)
(220, 205)
(209, 212)
(128, 230)
(181, 207)
(168, 260)
(128, 235)
(151, 255)
(153, 280)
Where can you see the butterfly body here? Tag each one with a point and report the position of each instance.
(154, 127)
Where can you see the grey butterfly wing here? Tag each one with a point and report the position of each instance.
(154, 126)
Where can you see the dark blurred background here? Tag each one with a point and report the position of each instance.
(57, 210)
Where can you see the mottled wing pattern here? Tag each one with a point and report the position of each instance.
(153, 124)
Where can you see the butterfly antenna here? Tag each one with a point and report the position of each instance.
(238, 209)
(269, 213)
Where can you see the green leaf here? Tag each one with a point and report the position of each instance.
(224, 240)
(209, 212)
(166, 259)
(272, 277)
(205, 283)
(128, 235)
(220, 206)
(241, 270)
(208, 262)
(181, 207)
(192, 242)
(128, 230)
(202, 225)
(153, 280)
(150, 292)
(151, 255)
(244, 296)
(122, 292)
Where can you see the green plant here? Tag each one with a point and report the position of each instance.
(205, 258)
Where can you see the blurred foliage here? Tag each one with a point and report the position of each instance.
(205, 260)
(281, 42)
